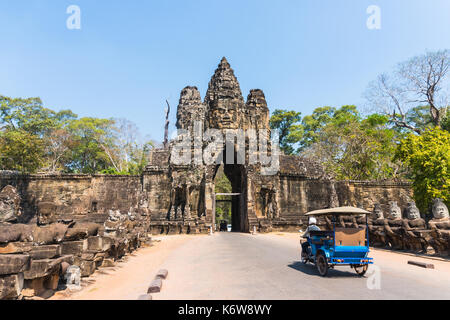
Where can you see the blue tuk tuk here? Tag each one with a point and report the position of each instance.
(341, 245)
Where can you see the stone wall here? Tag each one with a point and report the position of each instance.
(66, 223)
(35, 261)
(50, 198)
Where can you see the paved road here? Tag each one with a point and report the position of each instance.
(243, 266)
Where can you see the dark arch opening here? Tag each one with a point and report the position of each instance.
(236, 174)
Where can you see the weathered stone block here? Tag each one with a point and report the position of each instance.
(100, 256)
(74, 247)
(64, 266)
(9, 204)
(155, 286)
(82, 230)
(15, 247)
(51, 282)
(33, 287)
(53, 233)
(45, 252)
(14, 263)
(162, 274)
(15, 232)
(11, 286)
(45, 267)
(99, 243)
(87, 267)
(108, 262)
(89, 256)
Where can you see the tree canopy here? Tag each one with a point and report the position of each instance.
(428, 155)
(420, 81)
(290, 130)
(37, 139)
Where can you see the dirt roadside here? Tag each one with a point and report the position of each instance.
(128, 279)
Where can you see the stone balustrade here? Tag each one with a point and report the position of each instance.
(37, 260)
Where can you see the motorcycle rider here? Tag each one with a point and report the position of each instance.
(311, 227)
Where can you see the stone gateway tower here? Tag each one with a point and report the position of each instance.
(182, 196)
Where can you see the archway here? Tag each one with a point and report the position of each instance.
(236, 194)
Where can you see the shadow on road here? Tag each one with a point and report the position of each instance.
(311, 269)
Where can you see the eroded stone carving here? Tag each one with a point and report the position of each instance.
(10, 209)
(72, 277)
(377, 212)
(377, 227)
(393, 226)
(416, 238)
(412, 212)
(440, 210)
(224, 100)
(440, 228)
(394, 211)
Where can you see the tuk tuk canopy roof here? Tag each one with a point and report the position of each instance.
(350, 211)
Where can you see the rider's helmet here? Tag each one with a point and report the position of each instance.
(312, 221)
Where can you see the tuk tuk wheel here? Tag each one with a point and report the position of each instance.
(361, 270)
(322, 264)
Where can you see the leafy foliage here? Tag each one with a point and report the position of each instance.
(428, 155)
(354, 149)
(222, 185)
(20, 150)
(346, 144)
(290, 129)
(34, 138)
(314, 124)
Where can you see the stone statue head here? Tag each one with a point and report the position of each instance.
(377, 212)
(224, 115)
(440, 210)
(224, 99)
(394, 210)
(412, 212)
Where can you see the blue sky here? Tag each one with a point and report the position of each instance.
(129, 56)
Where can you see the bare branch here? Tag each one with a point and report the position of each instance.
(422, 80)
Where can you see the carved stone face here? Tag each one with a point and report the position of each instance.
(412, 212)
(377, 212)
(440, 210)
(224, 116)
(394, 210)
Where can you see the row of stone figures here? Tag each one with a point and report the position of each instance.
(37, 260)
(408, 231)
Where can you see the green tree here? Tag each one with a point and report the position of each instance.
(446, 121)
(20, 150)
(350, 147)
(34, 138)
(321, 117)
(24, 124)
(27, 114)
(94, 148)
(428, 156)
(222, 185)
(289, 127)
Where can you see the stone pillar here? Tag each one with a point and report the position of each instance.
(209, 201)
(187, 208)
